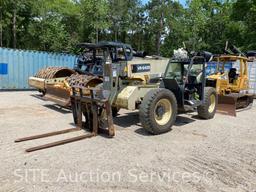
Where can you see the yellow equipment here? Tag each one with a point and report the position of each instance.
(232, 86)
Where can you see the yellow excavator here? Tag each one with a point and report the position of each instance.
(232, 86)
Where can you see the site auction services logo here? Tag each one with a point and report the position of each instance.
(95, 176)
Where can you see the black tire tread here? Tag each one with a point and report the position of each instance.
(203, 109)
(145, 106)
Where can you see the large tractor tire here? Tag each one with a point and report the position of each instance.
(208, 109)
(158, 111)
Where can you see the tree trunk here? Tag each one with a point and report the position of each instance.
(158, 39)
(116, 35)
(141, 39)
(1, 27)
(115, 32)
(97, 35)
(159, 34)
(14, 29)
(124, 36)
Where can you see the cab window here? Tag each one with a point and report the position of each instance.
(174, 71)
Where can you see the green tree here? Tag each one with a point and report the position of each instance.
(94, 18)
(157, 13)
(157, 27)
(54, 21)
(244, 12)
(176, 30)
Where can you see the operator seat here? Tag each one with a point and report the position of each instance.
(232, 75)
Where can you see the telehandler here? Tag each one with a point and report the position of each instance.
(180, 89)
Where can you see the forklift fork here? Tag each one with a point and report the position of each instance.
(89, 105)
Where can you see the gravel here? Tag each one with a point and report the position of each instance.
(197, 155)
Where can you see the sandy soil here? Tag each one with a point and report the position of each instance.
(197, 155)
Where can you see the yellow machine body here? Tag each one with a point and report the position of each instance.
(232, 93)
(223, 84)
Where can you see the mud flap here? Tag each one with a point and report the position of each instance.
(227, 105)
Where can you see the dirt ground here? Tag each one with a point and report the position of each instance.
(197, 155)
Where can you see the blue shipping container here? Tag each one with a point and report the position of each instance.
(16, 66)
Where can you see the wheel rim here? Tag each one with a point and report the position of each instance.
(212, 103)
(163, 111)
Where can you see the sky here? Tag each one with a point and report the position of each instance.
(183, 2)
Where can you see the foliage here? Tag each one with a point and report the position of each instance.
(158, 27)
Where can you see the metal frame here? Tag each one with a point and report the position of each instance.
(78, 101)
(180, 93)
